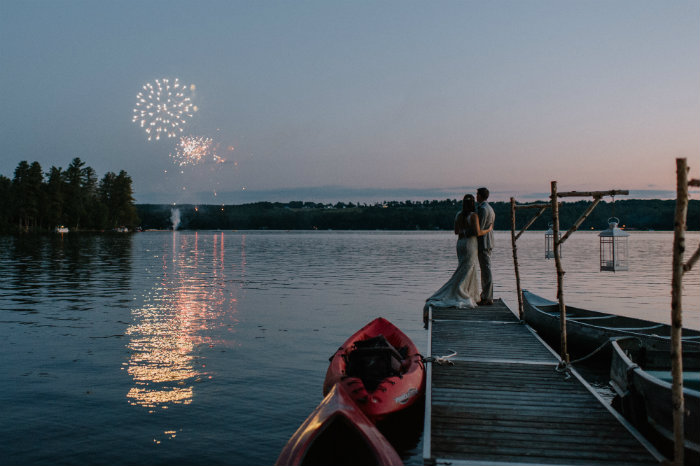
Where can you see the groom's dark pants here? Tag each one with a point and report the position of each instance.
(486, 277)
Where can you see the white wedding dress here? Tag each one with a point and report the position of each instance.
(462, 290)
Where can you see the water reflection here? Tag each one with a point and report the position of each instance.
(182, 313)
(297, 295)
(70, 273)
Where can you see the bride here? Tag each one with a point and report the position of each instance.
(462, 289)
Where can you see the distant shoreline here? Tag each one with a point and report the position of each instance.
(634, 215)
(434, 215)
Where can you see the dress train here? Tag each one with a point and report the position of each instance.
(462, 289)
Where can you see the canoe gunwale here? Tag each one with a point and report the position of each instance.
(585, 337)
(640, 395)
(633, 367)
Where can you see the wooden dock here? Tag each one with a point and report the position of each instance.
(504, 402)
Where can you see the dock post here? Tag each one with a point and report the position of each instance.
(515, 258)
(677, 311)
(563, 351)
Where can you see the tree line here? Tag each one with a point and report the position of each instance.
(407, 215)
(34, 201)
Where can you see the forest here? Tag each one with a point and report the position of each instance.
(634, 214)
(34, 201)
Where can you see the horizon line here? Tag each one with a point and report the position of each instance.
(335, 194)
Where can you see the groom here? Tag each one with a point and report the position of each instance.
(486, 219)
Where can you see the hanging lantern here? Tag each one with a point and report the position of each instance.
(549, 243)
(614, 250)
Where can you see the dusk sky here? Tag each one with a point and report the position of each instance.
(360, 100)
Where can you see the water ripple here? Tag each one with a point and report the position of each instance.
(211, 347)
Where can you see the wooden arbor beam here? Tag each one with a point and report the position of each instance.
(696, 255)
(597, 196)
(541, 207)
(514, 238)
(612, 192)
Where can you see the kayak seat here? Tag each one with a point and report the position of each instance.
(373, 360)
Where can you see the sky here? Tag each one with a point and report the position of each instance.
(358, 101)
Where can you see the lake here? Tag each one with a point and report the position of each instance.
(211, 347)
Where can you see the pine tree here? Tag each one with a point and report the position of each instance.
(6, 209)
(75, 197)
(27, 194)
(54, 189)
(124, 202)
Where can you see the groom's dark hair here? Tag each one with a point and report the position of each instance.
(483, 192)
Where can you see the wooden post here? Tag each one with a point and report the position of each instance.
(563, 351)
(679, 226)
(513, 240)
(597, 195)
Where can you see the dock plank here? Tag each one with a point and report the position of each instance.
(503, 401)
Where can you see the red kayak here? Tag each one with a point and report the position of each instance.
(380, 368)
(338, 433)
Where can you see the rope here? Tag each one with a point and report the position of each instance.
(564, 367)
(591, 354)
(442, 360)
(610, 340)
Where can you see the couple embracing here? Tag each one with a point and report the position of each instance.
(474, 229)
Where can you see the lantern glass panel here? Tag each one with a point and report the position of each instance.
(549, 244)
(614, 248)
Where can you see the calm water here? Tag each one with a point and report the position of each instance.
(211, 347)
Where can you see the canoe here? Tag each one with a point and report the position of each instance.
(380, 368)
(337, 432)
(641, 379)
(588, 330)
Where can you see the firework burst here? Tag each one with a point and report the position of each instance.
(192, 150)
(163, 107)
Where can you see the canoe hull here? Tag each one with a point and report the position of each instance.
(338, 432)
(588, 330)
(646, 400)
(394, 393)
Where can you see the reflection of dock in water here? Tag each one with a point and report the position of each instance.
(504, 402)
